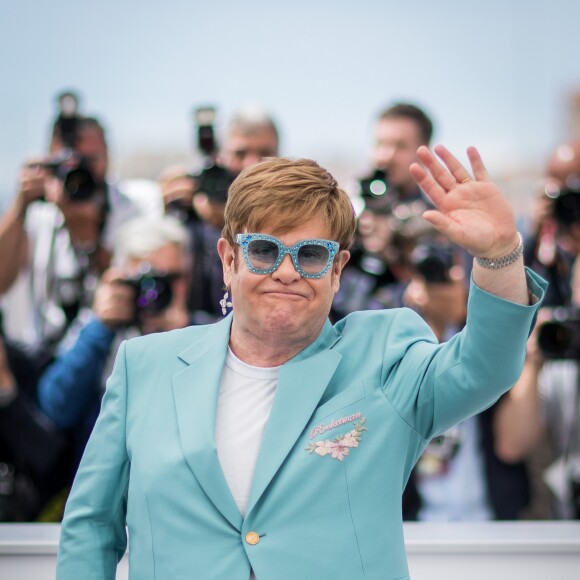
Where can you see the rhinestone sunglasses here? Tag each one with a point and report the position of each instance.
(263, 254)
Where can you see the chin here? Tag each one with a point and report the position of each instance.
(283, 322)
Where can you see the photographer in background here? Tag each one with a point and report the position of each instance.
(399, 131)
(144, 291)
(437, 290)
(61, 229)
(546, 399)
(548, 250)
(199, 199)
(391, 222)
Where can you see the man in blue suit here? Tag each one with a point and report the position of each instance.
(273, 445)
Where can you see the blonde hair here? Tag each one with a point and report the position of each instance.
(283, 193)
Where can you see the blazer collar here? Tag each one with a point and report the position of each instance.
(301, 383)
(195, 392)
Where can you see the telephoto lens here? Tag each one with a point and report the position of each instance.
(559, 338)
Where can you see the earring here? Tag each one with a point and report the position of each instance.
(225, 303)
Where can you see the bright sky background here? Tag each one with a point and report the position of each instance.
(496, 74)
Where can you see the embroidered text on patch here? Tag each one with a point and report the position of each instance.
(339, 447)
(322, 428)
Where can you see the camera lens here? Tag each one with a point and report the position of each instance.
(554, 338)
(560, 338)
(79, 184)
(153, 293)
(567, 206)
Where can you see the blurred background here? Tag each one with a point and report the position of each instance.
(503, 75)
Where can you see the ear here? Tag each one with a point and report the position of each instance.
(337, 266)
(227, 255)
(343, 258)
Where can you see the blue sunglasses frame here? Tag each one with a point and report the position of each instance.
(244, 241)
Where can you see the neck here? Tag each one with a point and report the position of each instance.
(265, 351)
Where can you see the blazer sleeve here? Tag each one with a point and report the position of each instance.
(433, 387)
(93, 537)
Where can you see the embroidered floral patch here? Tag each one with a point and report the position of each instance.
(339, 447)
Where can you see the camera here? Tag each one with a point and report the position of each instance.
(375, 185)
(377, 193)
(67, 120)
(71, 169)
(153, 292)
(74, 172)
(433, 261)
(566, 206)
(559, 338)
(213, 180)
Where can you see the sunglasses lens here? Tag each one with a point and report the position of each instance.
(262, 254)
(313, 258)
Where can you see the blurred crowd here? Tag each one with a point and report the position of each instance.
(87, 262)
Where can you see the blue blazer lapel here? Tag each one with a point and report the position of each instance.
(195, 392)
(301, 383)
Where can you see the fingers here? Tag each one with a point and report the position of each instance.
(452, 173)
(178, 190)
(32, 182)
(441, 175)
(445, 225)
(435, 192)
(113, 274)
(477, 165)
(114, 299)
(459, 172)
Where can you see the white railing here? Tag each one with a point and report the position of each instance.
(473, 551)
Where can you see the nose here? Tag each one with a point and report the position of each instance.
(251, 158)
(286, 273)
(384, 155)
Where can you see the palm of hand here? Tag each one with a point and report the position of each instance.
(470, 212)
(478, 215)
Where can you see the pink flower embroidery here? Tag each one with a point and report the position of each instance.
(340, 446)
(339, 450)
(323, 448)
(350, 439)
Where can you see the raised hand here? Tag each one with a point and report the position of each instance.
(471, 212)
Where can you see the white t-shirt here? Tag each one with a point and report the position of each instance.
(244, 405)
(460, 493)
(559, 392)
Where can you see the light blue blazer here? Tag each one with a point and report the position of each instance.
(351, 415)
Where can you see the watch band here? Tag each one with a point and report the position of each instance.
(497, 263)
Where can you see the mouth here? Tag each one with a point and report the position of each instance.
(285, 295)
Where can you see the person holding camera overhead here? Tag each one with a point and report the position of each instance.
(61, 228)
(390, 222)
(143, 291)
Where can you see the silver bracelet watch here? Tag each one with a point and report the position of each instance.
(506, 260)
